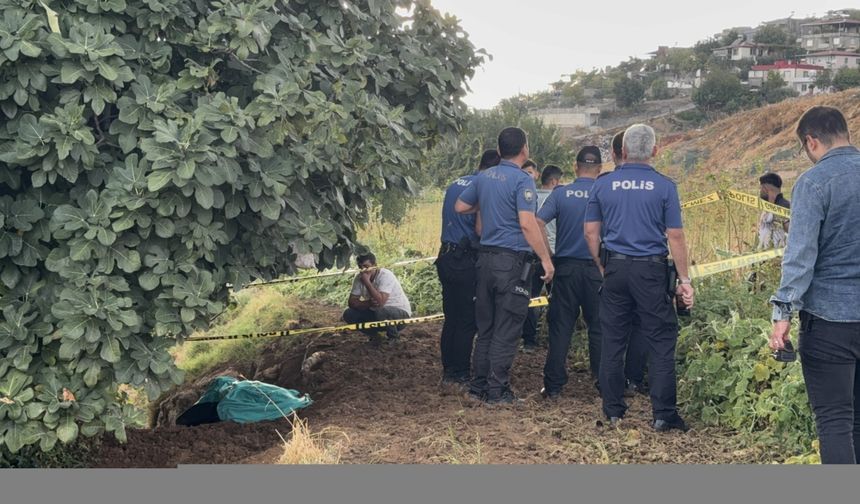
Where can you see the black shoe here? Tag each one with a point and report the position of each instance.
(393, 341)
(507, 398)
(530, 348)
(460, 381)
(614, 422)
(634, 388)
(552, 395)
(667, 425)
(476, 396)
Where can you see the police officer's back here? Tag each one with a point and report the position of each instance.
(638, 209)
(455, 266)
(507, 200)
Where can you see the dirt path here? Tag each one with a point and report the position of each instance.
(386, 406)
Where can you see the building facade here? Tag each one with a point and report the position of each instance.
(831, 35)
(834, 60)
(797, 76)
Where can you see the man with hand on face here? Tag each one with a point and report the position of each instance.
(506, 198)
(821, 282)
(376, 295)
(772, 229)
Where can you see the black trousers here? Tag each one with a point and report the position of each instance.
(458, 276)
(637, 355)
(575, 287)
(353, 316)
(830, 356)
(641, 288)
(530, 326)
(501, 303)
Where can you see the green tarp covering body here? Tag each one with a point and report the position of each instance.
(244, 402)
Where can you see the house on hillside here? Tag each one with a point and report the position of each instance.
(831, 35)
(797, 76)
(741, 49)
(834, 60)
(791, 26)
(577, 117)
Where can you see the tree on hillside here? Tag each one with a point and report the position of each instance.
(629, 92)
(660, 90)
(824, 79)
(459, 153)
(155, 151)
(772, 35)
(846, 78)
(729, 38)
(719, 91)
(774, 89)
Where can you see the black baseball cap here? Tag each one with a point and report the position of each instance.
(590, 154)
(772, 179)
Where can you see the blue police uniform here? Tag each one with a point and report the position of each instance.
(636, 206)
(455, 266)
(575, 285)
(505, 264)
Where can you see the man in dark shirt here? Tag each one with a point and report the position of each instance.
(639, 210)
(455, 266)
(577, 280)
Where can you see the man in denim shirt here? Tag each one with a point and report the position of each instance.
(821, 281)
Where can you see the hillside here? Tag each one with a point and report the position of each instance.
(746, 144)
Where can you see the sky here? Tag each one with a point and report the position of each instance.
(534, 42)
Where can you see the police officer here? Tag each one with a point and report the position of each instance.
(637, 351)
(639, 209)
(506, 198)
(577, 280)
(455, 266)
(550, 179)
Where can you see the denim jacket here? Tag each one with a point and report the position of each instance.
(821, 267)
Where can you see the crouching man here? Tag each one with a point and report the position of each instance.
(376, 295)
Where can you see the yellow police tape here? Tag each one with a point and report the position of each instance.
(333, 273)
(741, 198)
(704, 200)
(703, 270)
(382, 324)
(756, 202)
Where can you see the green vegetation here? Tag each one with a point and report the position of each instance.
(629, 93)
(458, 154)
(253, 310)
(846, 78)
(719, 91)
(155, 151)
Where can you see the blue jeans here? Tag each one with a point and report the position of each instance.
(830, 357)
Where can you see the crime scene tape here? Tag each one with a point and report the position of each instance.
(534, 303)
(332, 273)
(704, 200)
(756, 202)
(703, 270)
(741, 198)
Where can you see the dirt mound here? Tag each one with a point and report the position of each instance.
(388, 404)
(750, 142)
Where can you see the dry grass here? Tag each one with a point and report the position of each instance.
(307, 448)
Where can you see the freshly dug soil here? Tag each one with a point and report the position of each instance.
(385, 405)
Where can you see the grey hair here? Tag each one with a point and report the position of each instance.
(639, 141)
